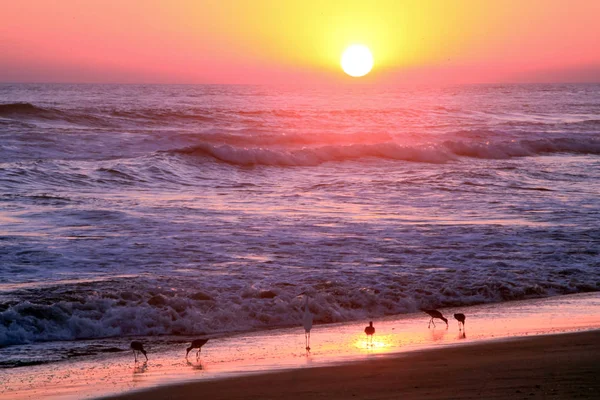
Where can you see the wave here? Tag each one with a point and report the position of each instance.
(28, 112)
(11, 109)
(427, 153)
(138, 307)
(23, 112)
(169, 116)
(315, 155)
(107, 117)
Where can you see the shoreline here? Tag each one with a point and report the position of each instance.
(266, 352)
(558, 366)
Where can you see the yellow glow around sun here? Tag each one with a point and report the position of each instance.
(357, 60)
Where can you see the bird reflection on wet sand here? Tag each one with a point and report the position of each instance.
(196, 366)
(140, 368)
(437, 335)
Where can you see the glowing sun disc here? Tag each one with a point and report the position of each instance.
(357, 60)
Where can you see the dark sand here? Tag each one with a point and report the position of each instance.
(564, 366)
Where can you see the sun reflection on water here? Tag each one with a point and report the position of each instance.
(380, 344)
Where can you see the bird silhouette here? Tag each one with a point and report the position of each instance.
(307, 320)
(196, 344)
(461, 320)
(435, 314)
(370, 331)
(138, 346)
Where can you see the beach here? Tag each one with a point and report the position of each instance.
(564, 366)
(502, 344)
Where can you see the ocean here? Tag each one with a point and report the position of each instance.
(156, 211)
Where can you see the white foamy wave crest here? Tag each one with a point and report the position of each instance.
(113, 309)
(427, 153)
(177, 314)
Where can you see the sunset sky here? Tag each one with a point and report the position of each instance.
(275, 41)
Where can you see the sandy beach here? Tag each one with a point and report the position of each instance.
(506, 350)
(563, 366)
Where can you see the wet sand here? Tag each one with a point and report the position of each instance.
(564, 366)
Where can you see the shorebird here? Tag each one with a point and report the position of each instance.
(307, 320)
(196, 344)
(435, 314)
(138, 346)
(370, 331)
(461, 320)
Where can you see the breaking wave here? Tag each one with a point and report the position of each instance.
(427, 153)
(116, 309)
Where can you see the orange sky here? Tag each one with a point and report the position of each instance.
(288, 41)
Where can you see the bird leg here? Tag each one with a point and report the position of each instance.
(135, 355)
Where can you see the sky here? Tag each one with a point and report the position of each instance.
(299, 42)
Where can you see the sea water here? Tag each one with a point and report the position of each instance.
(151, 210)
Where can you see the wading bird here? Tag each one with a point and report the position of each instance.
(307, 320)
(461, 320)
(138, 346)
(435, 314)
(370, 331)
(196, 344)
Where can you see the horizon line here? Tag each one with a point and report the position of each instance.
(355, 83)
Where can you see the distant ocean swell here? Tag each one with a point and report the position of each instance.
(110, 117)
(259, 144)
(24, 112)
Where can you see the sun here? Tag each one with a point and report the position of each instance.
(357, 60)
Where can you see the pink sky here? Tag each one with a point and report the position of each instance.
(244, 41)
